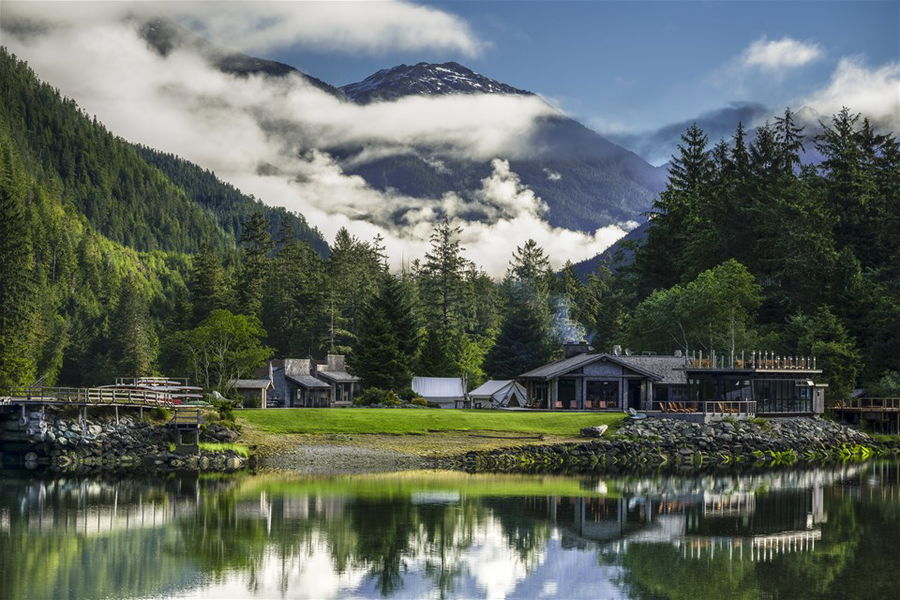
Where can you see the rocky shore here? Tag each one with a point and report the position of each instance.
(660, 443)
(64, 443)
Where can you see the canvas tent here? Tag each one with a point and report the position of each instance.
(499, 394)
(448, 392)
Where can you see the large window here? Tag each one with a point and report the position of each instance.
(782, 396)
(601, 394)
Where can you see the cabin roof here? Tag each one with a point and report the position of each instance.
(307, 381)
(338, 376)
(251, 384)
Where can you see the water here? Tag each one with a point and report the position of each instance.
(825, 533)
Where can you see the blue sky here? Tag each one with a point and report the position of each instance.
(627, 67)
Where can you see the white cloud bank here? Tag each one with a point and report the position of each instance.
(266, 137)
(778, 55)
(261, 26)
(872, 91)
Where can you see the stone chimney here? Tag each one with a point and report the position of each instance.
(296, 366)
(335, 362)
(571, 349)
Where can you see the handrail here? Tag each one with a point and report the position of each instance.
(99, 396)
(875, 403)
(712, 407)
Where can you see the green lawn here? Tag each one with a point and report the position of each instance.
(410, 421)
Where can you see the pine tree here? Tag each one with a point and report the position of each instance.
(133, 341)
(524, 341)
(256, 245)
(388, 339)
(208, 287)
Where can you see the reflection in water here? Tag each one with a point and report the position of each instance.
(797, 534)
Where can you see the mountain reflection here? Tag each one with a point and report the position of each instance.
(798, 534)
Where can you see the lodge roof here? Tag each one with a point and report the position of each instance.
(567, 365)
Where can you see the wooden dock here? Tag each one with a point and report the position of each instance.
(66, 396)
(883, 414)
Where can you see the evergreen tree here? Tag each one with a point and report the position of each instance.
(255, 247)
(133, 343)
(524, 341)
(209, 290)
(388, 339)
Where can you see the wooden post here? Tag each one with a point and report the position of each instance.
(117, 414)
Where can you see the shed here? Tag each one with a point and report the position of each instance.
(447, 392)
(253, 391)
(499, 394)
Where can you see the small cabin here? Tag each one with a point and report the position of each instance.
(253, 392)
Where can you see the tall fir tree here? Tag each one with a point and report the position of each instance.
(255, 247)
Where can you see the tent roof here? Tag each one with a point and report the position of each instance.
(439, 387)
(489, 388)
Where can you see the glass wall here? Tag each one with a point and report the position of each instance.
(601, 394)
(782, 395)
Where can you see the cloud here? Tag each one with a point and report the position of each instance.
(374, 27)
(552, 175)
(872, 91)
(278, 139)
(778, 55)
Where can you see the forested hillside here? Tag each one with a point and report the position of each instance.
(230, 207)
(813, 252)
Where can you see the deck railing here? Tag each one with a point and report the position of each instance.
(712, 407)
(875, 404)
(91, 396)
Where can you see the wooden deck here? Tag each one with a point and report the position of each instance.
(869, 405)
(63, 396)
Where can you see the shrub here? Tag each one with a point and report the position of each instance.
(377, 396)
(159, 413)
(419, 401)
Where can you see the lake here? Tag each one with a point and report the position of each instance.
(822, 533)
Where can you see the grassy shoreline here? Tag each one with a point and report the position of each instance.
(425, 433)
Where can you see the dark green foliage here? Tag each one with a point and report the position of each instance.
(255, 247)
(133, 344)
(104, 177)
(525, 340)
(229, 206)
(819, 241)
(388, 340)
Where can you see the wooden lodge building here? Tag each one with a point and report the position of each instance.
(303, 383)
(691, 386)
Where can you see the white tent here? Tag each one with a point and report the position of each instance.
(448, 392)
(499, 394)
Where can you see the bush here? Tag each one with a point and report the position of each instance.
(225, 408)
(159, 413)
(419, 401)
(377, 396)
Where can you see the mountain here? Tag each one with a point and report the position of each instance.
(617, 256)
(424, 79)
(586, 181)
(164, 36)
